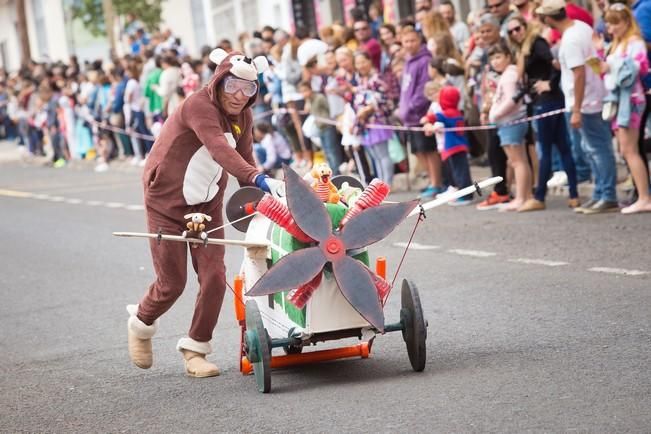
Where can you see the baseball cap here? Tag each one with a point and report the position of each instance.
(550, 7)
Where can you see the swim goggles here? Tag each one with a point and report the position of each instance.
(233, 84)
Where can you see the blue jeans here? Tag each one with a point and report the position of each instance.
(557, 161)
(583, 167)
(597, 145)
(331, 148)
(552, 130)
(379, 152)
(140, 126)
(459, 169)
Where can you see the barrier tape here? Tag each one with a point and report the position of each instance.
(328, 121)
(405, 128)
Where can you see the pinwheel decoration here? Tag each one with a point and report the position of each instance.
(331, 249)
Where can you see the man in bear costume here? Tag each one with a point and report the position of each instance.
(207, 138)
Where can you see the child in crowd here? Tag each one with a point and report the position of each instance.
(271, 148)
(436, 72)
(452, 145)
(506, 108)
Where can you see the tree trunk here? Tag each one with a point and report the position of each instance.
(109, 17)
(23, 37)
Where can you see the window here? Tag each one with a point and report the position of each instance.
(199, 23)
(223, 20)
(40, 27)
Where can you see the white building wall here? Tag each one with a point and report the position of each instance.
(276, 13)
(9, 36)
(56, 47)
(177, 16)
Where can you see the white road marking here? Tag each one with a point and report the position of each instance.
(94, 203)
(13, 193)
(621, 271)
(56, 199)
(539, 262)
(475, 253)
(134, 207)
(416, 246)
(114, 205)
(74, 201)
(41, 196)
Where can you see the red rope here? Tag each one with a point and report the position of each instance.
(421, 217)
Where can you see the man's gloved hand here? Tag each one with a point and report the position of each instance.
(270, 185)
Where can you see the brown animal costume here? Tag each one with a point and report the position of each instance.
(187, 172)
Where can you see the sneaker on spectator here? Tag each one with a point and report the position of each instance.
(573, 202)
(532, 205)
(461, 201)
(142, 162)
(59, 163)
(602, 206)
(135, 161)
(581, 208)
(101, 167)
(430, 192)
(559, 179)
(493, 201)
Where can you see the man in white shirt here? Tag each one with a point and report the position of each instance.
(458, 28)
(584, 91)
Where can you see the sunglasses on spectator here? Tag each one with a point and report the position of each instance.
(359, 29)
(495, 6)
(515, 29)
(423, 9)
(232, 85)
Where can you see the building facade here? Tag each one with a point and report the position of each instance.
(54, 35)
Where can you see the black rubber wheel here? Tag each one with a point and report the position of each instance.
(258, 347)
(414, 330)
(292, 349)
(236, 206)
(338, 181)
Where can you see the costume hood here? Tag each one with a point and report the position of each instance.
(449, 101)
(238, 65)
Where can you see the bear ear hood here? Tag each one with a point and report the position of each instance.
(237, 64)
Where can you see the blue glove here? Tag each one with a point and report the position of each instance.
(261, 182)
(270, 185)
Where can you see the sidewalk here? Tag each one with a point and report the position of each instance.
(11, 153)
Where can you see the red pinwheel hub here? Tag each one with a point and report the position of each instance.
(334, 248)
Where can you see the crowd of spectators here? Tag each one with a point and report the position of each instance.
(447, 90)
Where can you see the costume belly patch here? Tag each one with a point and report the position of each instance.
(201, 178)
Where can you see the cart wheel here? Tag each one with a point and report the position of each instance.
(414, 330)
(258, 347)
(292, 349)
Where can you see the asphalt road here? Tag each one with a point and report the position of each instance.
(537, 323)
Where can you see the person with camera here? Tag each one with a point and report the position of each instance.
(541, 84)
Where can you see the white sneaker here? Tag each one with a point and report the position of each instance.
(559, 179)
(142, 162)
(101, 167)
(135, 161)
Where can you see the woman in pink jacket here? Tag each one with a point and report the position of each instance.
(506, 108)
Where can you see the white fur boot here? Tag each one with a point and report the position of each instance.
(194, 354)
(139, 337)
